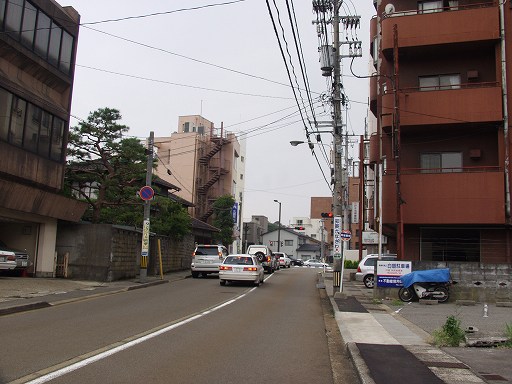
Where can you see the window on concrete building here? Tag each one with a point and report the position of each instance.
(186, 127)
(34, 118)
(288, 243)
(56, 150)
(29, 25)
(13, 17)
(450, 244)
(19, 108)
(66, 52)
(54, 45)
(5, 113)
(441, 162)
(439, 82)
(30, 127)
(2, 11)
(42, 35)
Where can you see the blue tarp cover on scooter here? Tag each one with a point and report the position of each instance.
(426, 276)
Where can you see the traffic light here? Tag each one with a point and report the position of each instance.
(326, 214)
(300, 228)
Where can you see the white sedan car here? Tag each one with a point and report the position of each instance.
(241, 268)
(7, 260)
(315, 263)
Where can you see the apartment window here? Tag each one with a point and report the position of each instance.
(29, 25)
(66, 52)
(186, 127)
(37, 31)
(5, 113)
(441, 162)
(2, 11)
(42, 35)
(45, 131)
(300, 222)
(439, 82)
(13, 16)
(375, 49)
(54, 45)
(56, 148)
(430, 6)
(30, 127)
(19, 108)
(288, 243)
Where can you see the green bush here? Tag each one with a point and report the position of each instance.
(508, 333)
(451, 334)
(350, 264)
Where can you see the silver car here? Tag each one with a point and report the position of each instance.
(207, 258)
(7, 260)
(241, 268)
(366, 268)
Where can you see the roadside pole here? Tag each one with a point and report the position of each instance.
(146, 194)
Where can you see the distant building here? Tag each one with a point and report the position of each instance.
(293, 243)
(253, 230)
(206, 163)
(38, 42)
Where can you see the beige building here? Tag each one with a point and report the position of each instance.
(206, 162)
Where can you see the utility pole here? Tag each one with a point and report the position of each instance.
(340, 182)
(146, 193)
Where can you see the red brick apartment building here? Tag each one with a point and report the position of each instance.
(441, 141)
(38, 41)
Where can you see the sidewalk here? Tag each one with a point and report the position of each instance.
(390, 343)
(22, 294)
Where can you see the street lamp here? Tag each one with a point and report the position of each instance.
(279, 228)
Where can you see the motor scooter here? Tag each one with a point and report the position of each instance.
(431, 284)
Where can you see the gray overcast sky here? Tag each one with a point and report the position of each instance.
(224, 63)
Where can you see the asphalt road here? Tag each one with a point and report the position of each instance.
(190, 331)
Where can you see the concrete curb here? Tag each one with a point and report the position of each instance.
(24, 308)
(361, 368)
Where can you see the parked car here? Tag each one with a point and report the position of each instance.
(241, 267)
(7, 260)
(265, 256)
(366, 268)
(315, 263)
(207, 258)
(284, 260)
(22, 259)
(297, 262)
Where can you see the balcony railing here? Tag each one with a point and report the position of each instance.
(460, 7)
(414, 171)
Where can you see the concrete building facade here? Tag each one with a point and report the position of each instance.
(440, 145)
(38, 42)
(206, 162)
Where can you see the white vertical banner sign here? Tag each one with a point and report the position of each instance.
(337, 246)
(355, 212)
(145, 238)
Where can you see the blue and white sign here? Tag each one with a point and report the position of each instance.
(337, 246)
(389, 272)
(234, 212)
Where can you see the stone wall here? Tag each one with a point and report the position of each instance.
(478, 282)
(103, 252)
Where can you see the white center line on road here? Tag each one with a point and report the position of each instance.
(129, 344)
